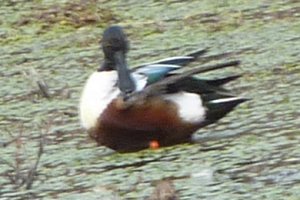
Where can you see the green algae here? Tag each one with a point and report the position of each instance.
(252, 153)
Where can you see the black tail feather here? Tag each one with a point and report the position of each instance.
(184, 60)
(218, 108)
(207, 97)
(198, 53)
(177, 60)
(222, 81)
(199, 86)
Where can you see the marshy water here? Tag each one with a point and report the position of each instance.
(253, 153)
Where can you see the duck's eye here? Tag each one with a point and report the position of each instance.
(113, 46)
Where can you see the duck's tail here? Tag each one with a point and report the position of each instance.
(218, 107)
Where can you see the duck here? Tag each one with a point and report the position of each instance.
(152, 105)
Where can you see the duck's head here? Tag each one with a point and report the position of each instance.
(115, 46)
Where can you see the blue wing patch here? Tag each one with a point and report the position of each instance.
(156, 72)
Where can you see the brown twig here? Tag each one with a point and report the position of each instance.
(32, 171)
(35, 78)
(17, 175)
(5, 144)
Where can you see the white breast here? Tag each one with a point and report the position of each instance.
(190, 108)
(99, 90)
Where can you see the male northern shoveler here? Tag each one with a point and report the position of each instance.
(153, 104)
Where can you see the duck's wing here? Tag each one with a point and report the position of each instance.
(160, 69)
(186, 80)
(155, 72)
(177, 60)
(202, 86)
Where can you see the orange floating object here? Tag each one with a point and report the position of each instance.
(154, 144)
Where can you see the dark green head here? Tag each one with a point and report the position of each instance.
(115, 46)
(114, 41)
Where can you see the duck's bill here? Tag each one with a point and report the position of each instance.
(125, 81)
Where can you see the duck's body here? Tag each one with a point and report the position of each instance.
(127, 110)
